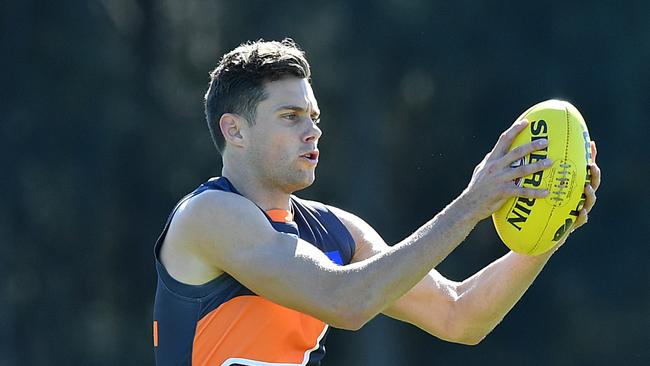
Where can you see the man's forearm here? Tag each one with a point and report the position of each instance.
(487, 296)
(379, 281)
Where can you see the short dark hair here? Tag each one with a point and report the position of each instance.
(237, 83)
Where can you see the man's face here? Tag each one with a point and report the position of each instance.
(282, 143)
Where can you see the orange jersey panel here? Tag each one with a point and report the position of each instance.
(155, 333)
(256, 329)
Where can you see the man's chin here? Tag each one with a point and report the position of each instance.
(304, 182)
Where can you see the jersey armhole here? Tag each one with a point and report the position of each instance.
(340, 231)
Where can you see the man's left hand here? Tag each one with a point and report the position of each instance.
(590, 190)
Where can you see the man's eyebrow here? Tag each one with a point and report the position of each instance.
(295, 108)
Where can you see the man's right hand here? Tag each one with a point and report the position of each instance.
(492, 182)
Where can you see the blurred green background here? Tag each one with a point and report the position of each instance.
(102, 131)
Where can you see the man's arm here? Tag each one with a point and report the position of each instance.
(463, 312)
(229, 233)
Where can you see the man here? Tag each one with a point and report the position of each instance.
(251, 275)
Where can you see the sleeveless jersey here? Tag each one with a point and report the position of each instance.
(222, 322)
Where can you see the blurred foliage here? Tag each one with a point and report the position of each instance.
(102, 130)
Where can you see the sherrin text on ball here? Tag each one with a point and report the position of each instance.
(534, 226)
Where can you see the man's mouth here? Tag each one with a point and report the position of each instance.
(311, 156)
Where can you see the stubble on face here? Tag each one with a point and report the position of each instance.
(276, 144)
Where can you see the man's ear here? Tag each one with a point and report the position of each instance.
(231, 127)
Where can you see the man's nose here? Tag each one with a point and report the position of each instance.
(314, 133)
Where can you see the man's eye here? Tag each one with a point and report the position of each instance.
(316, 119)
(290, 116)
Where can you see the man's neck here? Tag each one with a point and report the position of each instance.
(267, 198)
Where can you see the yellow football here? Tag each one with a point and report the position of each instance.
(534, 226)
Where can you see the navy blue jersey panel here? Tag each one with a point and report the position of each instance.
(319, 224)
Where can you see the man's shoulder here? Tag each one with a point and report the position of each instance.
(212, 209)
(210, 225)
(212, 199)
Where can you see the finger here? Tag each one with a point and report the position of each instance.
(521, 151)
(505, 140)
(594, 151)
(515, 191)
(595, 176)
(582, 219)
(590, 198)
(528, 169)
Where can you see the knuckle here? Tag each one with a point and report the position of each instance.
(523, 171)
(531, 168)
(519, 151)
